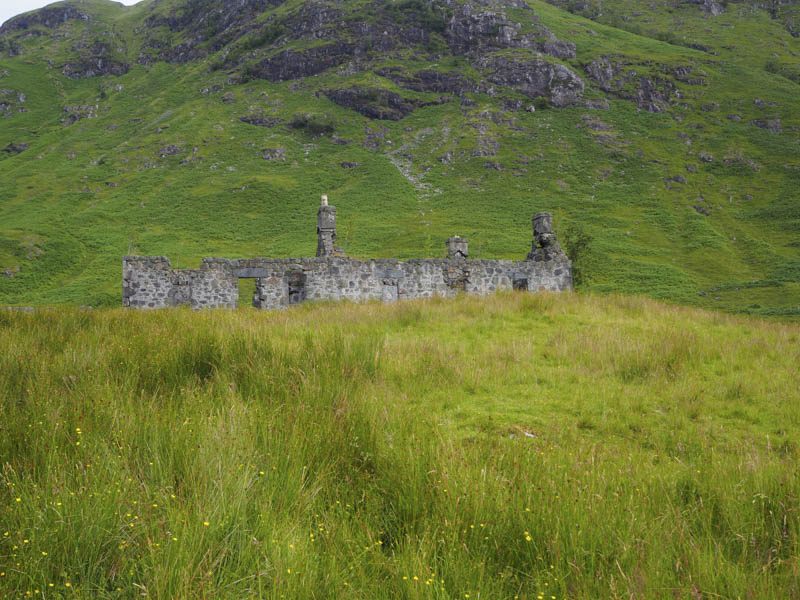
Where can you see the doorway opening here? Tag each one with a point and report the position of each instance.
(297, 286)
(247, 290)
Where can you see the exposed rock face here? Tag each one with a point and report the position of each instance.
(15, 148)
(428, 80)
(376, 103)
(205, 19)
(50, 16)
(481, 26)
(94, 67)
(535, 77)
(182, 53)
(771, 125)
(274, 154)
(11, 101)
(261, 120)
(209, 25)
(351, 38)
(291, 64)
(76, 113)
(169, 150)
(615, 76)
(713, 7)
(470, 29)
(710, 7)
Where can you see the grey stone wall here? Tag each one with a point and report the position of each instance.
(150, 282)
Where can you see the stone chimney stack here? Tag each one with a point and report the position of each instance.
(326, 230)
(545, 246)
(542, 223)
(457, 247)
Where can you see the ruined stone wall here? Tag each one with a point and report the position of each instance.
(149, 282)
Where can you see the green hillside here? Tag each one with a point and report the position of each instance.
(668, 134)
(521, 446)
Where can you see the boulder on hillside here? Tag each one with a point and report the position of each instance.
(169, 150)
(79, 112)
(16, 148)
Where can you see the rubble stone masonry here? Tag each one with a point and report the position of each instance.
(149, 282)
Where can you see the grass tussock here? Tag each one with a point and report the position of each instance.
(520, 446)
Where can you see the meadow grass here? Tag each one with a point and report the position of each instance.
(518, 446)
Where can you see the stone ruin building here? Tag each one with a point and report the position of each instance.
(149, 282)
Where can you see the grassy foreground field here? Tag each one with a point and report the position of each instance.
(520, 446)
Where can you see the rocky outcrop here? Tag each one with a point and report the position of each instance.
(771, 125)
(292, 64)
(710, 7)
(534, 77)
(169, 150)
(428, 80)
(79, 112)
(352, 35)
(207, 26)
(96, 59)
(261, 120)
(50, 17)
(376, 103)
(205, 19)
(15, 148)
(620, 78)
(274, 154)
(481, 26)
(11, 101)
(94, 67)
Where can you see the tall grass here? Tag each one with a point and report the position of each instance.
(518, 446)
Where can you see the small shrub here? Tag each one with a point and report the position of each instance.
(216, 64)
(776, 68)
(773, 66)
(668, 36)
(578, 246)
(268, 34)
(541, 103)
(430, 16)
(314, 124)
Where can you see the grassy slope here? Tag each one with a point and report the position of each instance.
(648, 239)
(519, 446)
